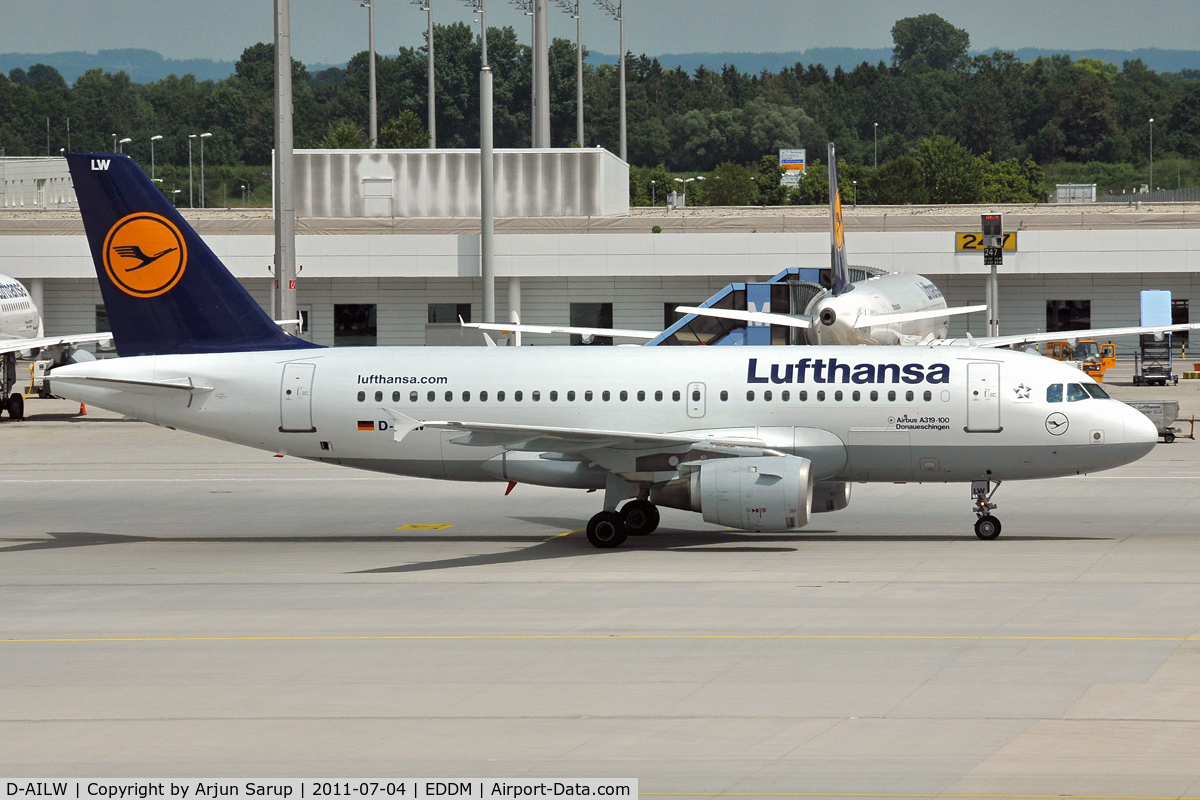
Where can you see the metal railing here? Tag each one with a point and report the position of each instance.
(1184, 195)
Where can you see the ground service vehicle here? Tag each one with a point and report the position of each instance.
(1089, 355)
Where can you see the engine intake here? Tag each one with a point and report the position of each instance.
(760, 493)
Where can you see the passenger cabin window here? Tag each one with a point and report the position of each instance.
(449, 396)
(553, 397)
(658, 395)
(605, 395)
(908, 395)
(624, 395)
(1075, 392)
(535, 396)
(395, 397)
(588, 395)
(379, 397)
(675, 395)
(724, 395)
(928, 395)
(518, 396)
(362, 396)
(412, 397)
(571, 397)
(803, 396)
(821, 396)
(856, 396)
(838, 395)
(483, 397)
(785, 395)
(892, 396)
(766, 395)
(466, 397)
(431, 396)
(499, 397)
(1054, 393)
(750, 394)
(641, 396)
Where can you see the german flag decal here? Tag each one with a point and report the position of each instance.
(366, 425)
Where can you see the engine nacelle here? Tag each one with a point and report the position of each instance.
(830, 496)
(761, 493)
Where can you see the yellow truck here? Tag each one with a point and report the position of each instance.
(1088, 354)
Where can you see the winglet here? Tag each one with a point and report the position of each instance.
(839, 269)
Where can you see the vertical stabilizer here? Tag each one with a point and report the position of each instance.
(839, 270)
(164, 289)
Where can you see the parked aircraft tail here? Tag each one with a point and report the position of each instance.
(164, 289)
(839, 269)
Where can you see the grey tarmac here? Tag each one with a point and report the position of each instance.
(172, 606)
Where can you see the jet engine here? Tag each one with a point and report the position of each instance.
(830, 496)
(760, 493)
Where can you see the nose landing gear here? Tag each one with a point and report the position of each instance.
(986, 526)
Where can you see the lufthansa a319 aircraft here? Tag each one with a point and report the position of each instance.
(756, 438)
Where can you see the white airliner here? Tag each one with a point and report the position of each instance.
(883, 309)
(756, 438)
(21, 330)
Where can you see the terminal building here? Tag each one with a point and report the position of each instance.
(388, 250)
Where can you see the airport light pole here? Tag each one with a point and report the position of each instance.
(1151, 154)
(575, 9)
(427, 6)
(153, 139)
(122, 144)
(526, 8)
(616, 8)
(114, 143)
(203, 136)
(487, 215)
(373, 122)
(876, 145)
(191, 202)
(284, 177)
(541, 74)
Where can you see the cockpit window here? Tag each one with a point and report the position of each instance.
(1075, 392)
(1054, 393)
(1096, 391)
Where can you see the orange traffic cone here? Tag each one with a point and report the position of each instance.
(82, 410)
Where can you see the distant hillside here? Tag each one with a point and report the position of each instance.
(143, 66)
(849, 57)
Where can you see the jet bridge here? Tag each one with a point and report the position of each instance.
(792, 291)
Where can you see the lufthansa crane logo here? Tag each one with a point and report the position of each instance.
(1057, 424)
(144, 255)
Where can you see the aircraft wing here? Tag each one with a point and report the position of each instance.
(559, 440)
(1035, 338)
(871, 320)
(514, 327)
(16, 345)
(765, 317)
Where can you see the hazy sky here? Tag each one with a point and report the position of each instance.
(331, 30)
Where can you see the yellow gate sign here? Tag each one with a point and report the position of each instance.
(973, 242)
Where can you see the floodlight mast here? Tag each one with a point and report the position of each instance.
(373, 124)
(574, 8)
(284, 189)
(487, 216)
(616, 8)
(427, 6)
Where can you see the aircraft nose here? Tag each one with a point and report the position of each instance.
(1138, 428)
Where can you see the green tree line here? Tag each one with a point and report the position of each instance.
(991, 118)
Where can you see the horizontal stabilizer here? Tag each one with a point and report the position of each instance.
(171, 387)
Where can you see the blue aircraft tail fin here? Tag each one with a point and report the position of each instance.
(164, 289)
(839, 269)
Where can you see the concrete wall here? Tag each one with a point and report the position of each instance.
(570, 182)
(35, 182)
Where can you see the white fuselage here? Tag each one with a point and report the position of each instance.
(885, 294)
(861, 414)
(19, 317)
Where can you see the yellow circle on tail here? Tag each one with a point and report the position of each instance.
(144, 254)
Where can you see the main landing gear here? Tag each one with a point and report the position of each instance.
(610, 528)
(986, 526)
